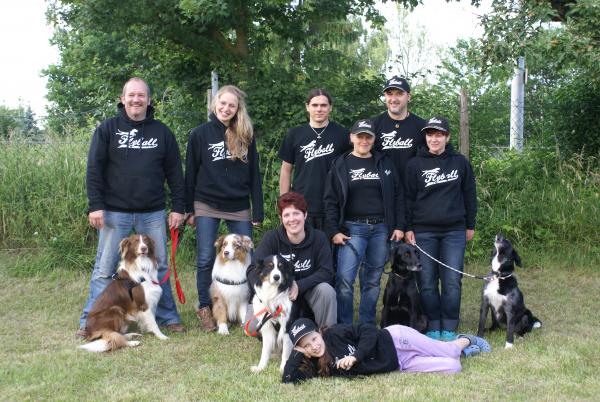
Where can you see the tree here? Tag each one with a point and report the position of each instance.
(17, 122)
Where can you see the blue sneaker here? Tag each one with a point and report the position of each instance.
(448, 336)
(433, 335)
(483, 345)
(471, 350)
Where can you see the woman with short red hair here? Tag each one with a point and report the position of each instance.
(309, 252)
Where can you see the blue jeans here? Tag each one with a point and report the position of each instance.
(442, 306)
(206, 234)
(370, 248)
(118, 225)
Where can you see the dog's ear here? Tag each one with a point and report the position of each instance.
(517, 258)
(247, 243)
(151, 245)
(123, 245)
(219, 242)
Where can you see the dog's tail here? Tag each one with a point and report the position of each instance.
(109, 341)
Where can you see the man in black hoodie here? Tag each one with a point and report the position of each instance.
(130, 157)
(309, 251)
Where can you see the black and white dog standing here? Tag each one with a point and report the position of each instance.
(502, 295)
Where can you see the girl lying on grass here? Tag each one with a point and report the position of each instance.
(362, 349)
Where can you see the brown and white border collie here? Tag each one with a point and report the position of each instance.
(229, 291)
(132, 296)
(273, 307)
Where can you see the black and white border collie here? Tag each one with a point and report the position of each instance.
(272, 306)
(132, 296)
(502, 295)
(229, 291)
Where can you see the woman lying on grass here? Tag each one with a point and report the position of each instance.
(362, 349)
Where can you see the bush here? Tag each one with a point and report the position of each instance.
(537, 199)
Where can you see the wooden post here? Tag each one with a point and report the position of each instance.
(463, 139)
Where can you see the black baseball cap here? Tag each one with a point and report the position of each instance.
(397, 83)
(363, 126)
(437, 123)
(300, 328)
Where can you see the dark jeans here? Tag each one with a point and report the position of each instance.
(442, 305)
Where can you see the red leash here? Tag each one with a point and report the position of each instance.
(266, 318)
(174, 244)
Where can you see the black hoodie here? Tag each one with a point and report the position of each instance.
(214, 179)
(128, 163)
(311, 258)
(373, 349)
(336, 194)
(440, 192)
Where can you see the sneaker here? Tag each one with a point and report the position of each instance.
(471, 350)
(483, 345)
(433, 335)
(207, 322)
(176, 328)
(81, 334)
(448, 336)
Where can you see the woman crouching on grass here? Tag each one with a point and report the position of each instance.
(362, 349)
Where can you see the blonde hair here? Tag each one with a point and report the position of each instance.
(239, 133)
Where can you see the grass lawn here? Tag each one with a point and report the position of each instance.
(39, 359)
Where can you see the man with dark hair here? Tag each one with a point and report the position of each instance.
(308, 151)
(130, 158)
(398, 132)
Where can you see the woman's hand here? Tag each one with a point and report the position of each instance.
(340, 239)
(190, 221)
(409, 237)
(303, 351)
(293, 294)
(346, 363)
(397, 235)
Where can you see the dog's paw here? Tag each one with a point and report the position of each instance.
(132, 335)
(161, 336)
(256, 369)
(133, 344)
(537, 324)
(223, 330)
(508, 345)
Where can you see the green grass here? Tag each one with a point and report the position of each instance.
(39, 359)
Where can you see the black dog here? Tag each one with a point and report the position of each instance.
(401, 299)
(502, 295)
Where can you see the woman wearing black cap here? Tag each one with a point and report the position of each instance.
(364, 207)
(441, 209)
(362, 349)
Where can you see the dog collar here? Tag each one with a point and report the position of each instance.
(228, 282)
(497, 275)
(130, 284)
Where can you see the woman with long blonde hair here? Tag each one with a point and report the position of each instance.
(222, 180)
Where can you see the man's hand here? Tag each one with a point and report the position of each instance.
(175, 220)
(96, 219)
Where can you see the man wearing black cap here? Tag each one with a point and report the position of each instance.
(398, 132)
